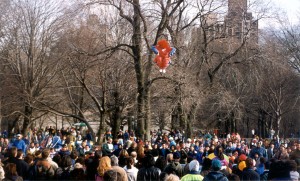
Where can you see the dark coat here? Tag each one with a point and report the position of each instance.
(249, 174)
(215, 176)
(148, 174)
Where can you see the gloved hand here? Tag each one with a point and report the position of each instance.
(153, 48)
(172, 51)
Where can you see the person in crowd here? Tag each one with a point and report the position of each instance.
(104, 165)
(11, 173)
(296, 153)
(271, 151)
(148, 170)
(294, 174)
(64, 171)
(282, 154)
(248, 173)
(131, 170)
(21, 166)
(78, 173)
(261, 151)
(64, 151)
(108, 147)
(2, 172)
(123, 158)
(194, 174)
(174, 167)
(215, 173)
(19, 143)
(115, 166)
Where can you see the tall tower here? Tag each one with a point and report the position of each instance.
(237, 8)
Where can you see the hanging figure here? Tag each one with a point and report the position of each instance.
(163, 53)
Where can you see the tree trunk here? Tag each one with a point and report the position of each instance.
(137, 49)
(27, 118)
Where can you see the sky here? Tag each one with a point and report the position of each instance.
(292, 7)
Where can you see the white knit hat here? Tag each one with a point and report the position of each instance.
(194, 166)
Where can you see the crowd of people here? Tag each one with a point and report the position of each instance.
(68, 154)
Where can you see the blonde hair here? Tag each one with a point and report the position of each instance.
(104, 165)
(172, 177)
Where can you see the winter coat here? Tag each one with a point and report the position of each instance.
(148, 174)
(215, 176)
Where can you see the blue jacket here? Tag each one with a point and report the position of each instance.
(20, 144)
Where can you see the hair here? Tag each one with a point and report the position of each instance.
(80, 160)
(292, 165)
(169, 157)
(37, 153)
(10, 170)
(29, 158)
(129, 162)
(66, 161)
(74, 154)
(98, 154)
(123, 153)
(249, 163)
(172, 177)
(13, 151)
(45, 153)
(19, 153)
(114, 160)
(148, 161)
(57, 159)
(104, 165)
(161, 163)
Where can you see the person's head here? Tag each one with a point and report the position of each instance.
(10, 170)
(32, 145)
(216, 165)
(169, 157)
(74, 155)
(13, 152)
(114, 160)
(109, 140)
(249, 163)
(123, 153)
(66, 161)
(129, 162)
(45, 153)
(20, 154)
(104, 165)
(272, 145)
(176, 156)
(29, 159)
(133, 154)
(172, 177)
(194, 166)
(148, 161)
(19, 136)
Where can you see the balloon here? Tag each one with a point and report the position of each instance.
(164, 52)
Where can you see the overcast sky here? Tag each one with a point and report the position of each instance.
(292, 7)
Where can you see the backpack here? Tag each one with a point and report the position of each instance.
(43, 173)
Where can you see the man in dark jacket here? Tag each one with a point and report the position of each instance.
(175, 167)
(215, 174)
(248, 172)
(148, 171)
(22, 166)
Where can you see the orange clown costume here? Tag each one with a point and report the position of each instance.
(163, 53)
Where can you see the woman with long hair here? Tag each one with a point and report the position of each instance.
(104, 165)
(11, 173)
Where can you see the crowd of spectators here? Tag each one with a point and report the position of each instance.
(68, 154)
